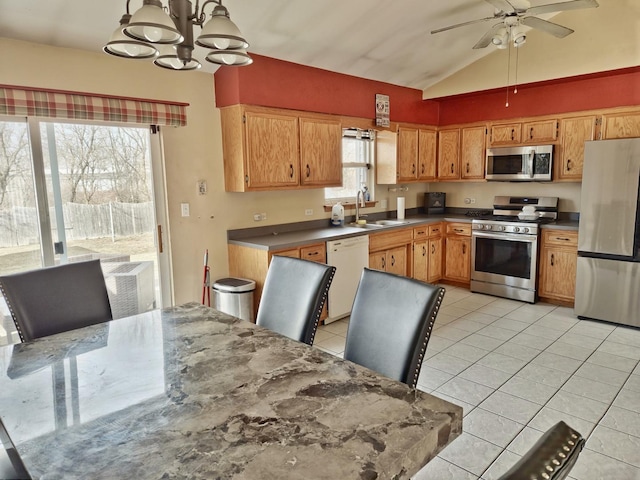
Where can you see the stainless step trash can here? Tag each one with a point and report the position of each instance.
(235, 297)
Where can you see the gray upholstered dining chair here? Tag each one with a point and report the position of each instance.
(56, 299)
(551, 458)
(11, 465)
(294, 293)
(391, 322)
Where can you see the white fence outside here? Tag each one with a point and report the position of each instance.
(19, 225)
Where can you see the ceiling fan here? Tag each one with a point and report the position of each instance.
(513, 13)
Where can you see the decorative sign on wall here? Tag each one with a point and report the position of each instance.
(382, 110)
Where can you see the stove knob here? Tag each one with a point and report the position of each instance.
(501, 228)
(488, 227)
(525, 230)
(516, 229)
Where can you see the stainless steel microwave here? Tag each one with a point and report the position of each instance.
(520, 164)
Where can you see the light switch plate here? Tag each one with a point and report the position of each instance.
(184, 209)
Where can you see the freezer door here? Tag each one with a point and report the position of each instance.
(609, 197)
(608, 290)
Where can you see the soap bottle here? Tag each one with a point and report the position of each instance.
(365, 193)
(337, 215)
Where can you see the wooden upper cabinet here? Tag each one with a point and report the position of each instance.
(507, 134)
(448, 154)
(427, 162)
(540, 131)
(407, 154)
(620, 125)
(573, 133)
(472, 152)
(320, 152)
(272, 150)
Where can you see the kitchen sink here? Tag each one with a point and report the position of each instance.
(392, 222)
(366, 225)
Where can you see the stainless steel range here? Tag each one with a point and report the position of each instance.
(504, 246)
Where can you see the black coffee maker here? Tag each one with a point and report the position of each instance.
(434, 202)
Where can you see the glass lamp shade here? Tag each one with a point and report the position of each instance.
(122, 46)
(151, 24)
(168, 58)
(237, 58)
(220, 33)
(519, 37)
(500, 39)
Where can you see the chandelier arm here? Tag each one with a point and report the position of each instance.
(202, 16)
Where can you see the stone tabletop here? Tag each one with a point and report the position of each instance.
(190, 392)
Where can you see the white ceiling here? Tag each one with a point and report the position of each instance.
(388, 41)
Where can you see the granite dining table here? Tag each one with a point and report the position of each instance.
(191, 392)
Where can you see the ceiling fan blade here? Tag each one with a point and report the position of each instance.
(502, 5)
(463, 24)
(562, 6)
(546, 26)
(487, 37)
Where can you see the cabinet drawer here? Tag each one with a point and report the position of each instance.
(420, 232)
(316, 253)
(435, 230)
(560, 237)
(459, 229)
(382, 241)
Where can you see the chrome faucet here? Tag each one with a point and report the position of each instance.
(359, 203)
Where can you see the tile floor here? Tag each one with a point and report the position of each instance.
(517, 369)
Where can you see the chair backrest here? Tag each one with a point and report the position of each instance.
(294, 293)
(391, 322)
(56, 299)
(11, 466)
(552, 457)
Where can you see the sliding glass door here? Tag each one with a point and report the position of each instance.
(72, 192)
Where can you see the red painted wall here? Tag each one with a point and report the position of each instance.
(600, 90)
(275, 83)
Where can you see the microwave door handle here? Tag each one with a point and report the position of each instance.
(532, 156)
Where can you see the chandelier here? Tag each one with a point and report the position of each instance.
(166, 35)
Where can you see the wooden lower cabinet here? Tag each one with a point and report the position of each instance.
(558, 260)
(435, 259)
(390, 251)
(427, 253)
(457, 265)
(253, 263)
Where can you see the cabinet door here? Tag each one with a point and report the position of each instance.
(575, 131)
(320, 152)
(272, 150)
(542, 131)
(421, 260)
(378, 261)
(448, 157)
(457, 261)
(427, 160)
(621, 125)
(509, 134)
(435, 259)
(397, 260)
(472, 151)
(315, 253)
(558, 273)
(407, 154)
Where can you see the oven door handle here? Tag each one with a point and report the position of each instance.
(532, 156)
(506, 236)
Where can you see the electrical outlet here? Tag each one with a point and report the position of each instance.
(384, 203)
(257, 217)
(473, 200)
(184, 209)
(263, 215)
(308, 211)
(467, 200)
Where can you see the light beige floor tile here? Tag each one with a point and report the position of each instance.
(440, 469)
(471, 453)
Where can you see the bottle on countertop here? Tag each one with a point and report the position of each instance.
(337, 215)
(365, 193)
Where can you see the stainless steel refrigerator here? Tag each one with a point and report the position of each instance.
(608, 274)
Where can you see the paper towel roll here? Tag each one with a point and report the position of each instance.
(400, 208)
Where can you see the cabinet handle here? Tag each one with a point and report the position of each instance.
(459, 230)
(413, 169)
(568, 164)
(513, 133)
(531, 133)
(467, 167)
(424, 251)
(393, 260)
(562, 239)
(384, 263)
(464, 249)
(308, 171)
(452, 168)
(313, 254)
(433, 249)
(291, 170)
(422, 169)
(552, 260)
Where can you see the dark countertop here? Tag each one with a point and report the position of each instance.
(190, 392)
(279, 238)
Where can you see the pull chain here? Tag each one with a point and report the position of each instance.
(508, 66)
(515, 86)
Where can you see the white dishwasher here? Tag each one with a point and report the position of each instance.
(349, 256)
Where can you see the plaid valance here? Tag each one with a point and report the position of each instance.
(33, 102)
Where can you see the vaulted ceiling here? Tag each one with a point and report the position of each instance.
(388, 41)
